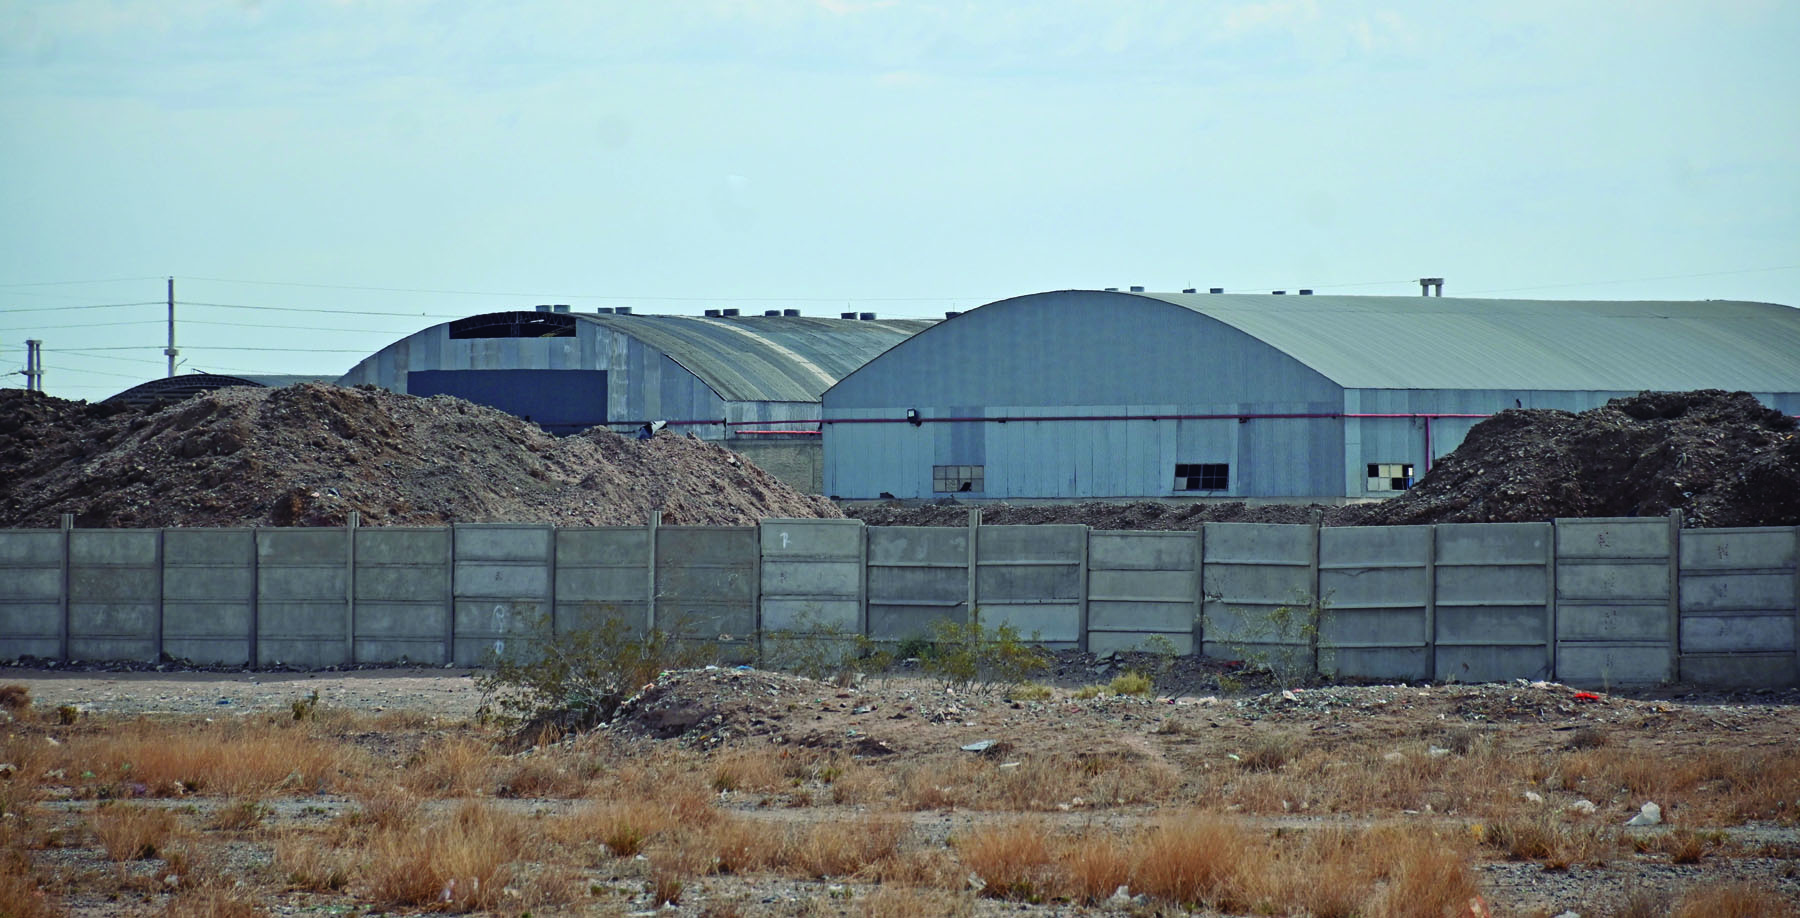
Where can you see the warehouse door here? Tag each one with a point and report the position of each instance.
(560, 401)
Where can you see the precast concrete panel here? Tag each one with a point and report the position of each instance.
(502, 582)
(706, 585)
(1032, 578)
(916, 575)
(403, 595)
(31, 593)
(115, 594)
(1492, 596)
(303, 597)
(1259, 582)
(209, 595)
(1615, 621)
(602, 574)
(1143, 586)
(1739, 593)
(1375, 584)
(812, 590)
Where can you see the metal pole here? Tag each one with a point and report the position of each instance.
(170, 351)
(34, 365)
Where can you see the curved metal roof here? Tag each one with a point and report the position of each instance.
(176, 388)
(1401, 342)
(765, 358)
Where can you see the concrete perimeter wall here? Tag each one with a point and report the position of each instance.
(1590, 602)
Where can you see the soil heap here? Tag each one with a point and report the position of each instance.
(1722, 458)
(309, 454)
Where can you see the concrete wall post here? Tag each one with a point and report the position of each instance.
(351, 520)
(654, 523)
(1431, 603)
(1675, 594)
(970, 608)
(66, 523)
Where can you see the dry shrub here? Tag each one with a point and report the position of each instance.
(759, 769)
(384, 807)
(1034, 784)
(214, 902)
(842, 848)
(1190, 858)
(930, 867)
(738, 845)
(888, 902)
(1014, 860)
(460, 862)
(1268, 753)
(452, 766)
(1090, 868)
(239, 815)
(20, 895)
(15, 697)
(307, 860)
(940, 784)
(1425, 875)
(671, 870)
(624, 827)
(1548, 839)
(552, 887)
(1735, 899)
(130, 833)
(1683, 846)
(537, 775)
(236, 758)
(857, 783)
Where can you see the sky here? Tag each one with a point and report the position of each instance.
(323, 178)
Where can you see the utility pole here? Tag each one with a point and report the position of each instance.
(34, 366)
(170, 351)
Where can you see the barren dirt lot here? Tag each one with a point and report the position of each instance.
(746, 792)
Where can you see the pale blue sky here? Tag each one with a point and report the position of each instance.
(897, 157)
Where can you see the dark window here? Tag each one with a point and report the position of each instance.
(1390, 476)
(1197, 476)
(514, 325)
(954, 479)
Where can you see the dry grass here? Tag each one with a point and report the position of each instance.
(1190, 858)
(214, 902)
(1552, 840)
(841, 848)
(1013, 861)
(310, 861)
(762, 768)
(462, 861)
(1739, 899)
(623, 827)
(130, 833)
(234, 758)
(452, 766)
(239, 815)
(891, 902)
(1090, 869)
(20, 894)
(15, 698)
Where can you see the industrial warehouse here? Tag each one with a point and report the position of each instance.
(1100, 394)
(752, 382)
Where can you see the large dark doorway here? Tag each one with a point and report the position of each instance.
(560, 401)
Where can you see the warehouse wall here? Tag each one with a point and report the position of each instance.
(1084, 354)
(1588, 602)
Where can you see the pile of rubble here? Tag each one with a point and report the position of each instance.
(310, 454)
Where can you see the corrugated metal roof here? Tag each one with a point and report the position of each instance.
(766, 358)
(1401, 342)
(177, 388)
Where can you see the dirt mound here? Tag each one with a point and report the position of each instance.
(308, 455)
(1723, 458)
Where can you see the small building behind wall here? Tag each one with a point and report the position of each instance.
(1106, 394)
(752, 382)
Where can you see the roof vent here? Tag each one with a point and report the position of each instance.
(1306, 291)
(867, 317)
(543, 307)
(623, 310)
(1112, 290)
(1189, 290)
(1216, 290)
(771, 312)
(560, 307)
(952, 314)
(1137, 290)
(728, 313)
(603, 311)
(790, 312)
(1431, 286)
(712, 313)
(846, 315)
(1278, 293)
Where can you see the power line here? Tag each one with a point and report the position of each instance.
(1632, 280)
(599, 296)
(325, 311)
(103, 280)
(83, 325)
(90, 306)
